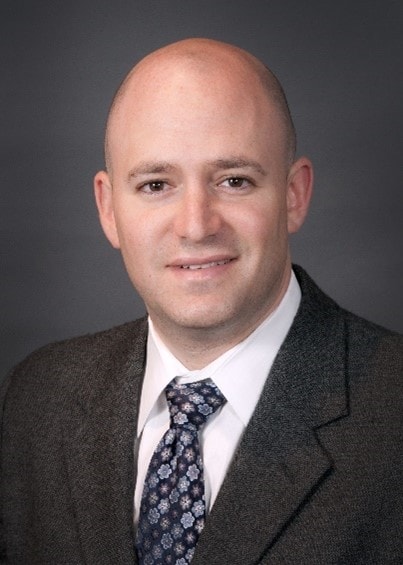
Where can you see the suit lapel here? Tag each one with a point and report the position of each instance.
(99, 444)
(280, 463)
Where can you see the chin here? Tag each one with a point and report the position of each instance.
(201, 318)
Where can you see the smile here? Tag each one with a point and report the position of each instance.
(206, 265)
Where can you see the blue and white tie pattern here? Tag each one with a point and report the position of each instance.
(172, 512)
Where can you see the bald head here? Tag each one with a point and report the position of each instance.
(210, 64)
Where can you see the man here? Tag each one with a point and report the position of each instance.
(302, 457)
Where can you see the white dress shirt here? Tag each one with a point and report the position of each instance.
(240, 374)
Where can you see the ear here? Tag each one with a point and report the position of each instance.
(299, 192)
(104, 199)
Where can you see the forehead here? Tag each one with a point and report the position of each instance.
(186, 99)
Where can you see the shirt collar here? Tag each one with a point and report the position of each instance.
(240, 373)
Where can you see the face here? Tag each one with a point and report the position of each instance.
(201, 200)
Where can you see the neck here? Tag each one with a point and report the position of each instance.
(196, 348)
(195, 351)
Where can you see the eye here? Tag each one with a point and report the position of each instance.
(236, 182)
(154, 187)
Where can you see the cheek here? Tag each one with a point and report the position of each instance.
(131, 237)
(264, 225)
(130, 221)
(141, 239)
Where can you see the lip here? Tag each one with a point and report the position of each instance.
(192, 264)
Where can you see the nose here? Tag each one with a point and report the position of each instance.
(197, 216)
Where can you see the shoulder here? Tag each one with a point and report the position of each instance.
(318, 306)
(363, 345)
(87, 349)
(70, 364)
(348, 367)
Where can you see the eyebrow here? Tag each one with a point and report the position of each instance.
(238, 162)
(160, 167)
(150, 168)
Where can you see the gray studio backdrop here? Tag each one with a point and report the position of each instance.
(341, 64)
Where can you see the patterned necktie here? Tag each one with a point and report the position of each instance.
(172, 512)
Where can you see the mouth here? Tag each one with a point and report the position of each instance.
(208, 265)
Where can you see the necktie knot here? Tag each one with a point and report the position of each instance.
(190, 405)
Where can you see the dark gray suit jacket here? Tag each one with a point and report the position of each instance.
(317, 478)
